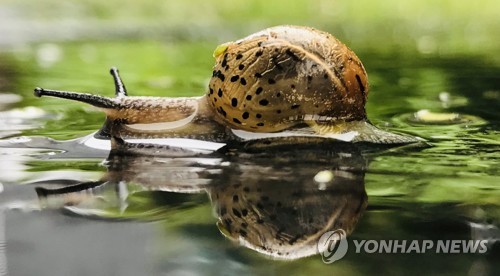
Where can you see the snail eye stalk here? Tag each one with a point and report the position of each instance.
(95, 100)
(120, 90)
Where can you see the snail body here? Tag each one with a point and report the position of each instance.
(282, 81)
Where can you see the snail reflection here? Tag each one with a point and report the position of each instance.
(275, 202)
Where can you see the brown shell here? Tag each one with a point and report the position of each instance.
(286, 75)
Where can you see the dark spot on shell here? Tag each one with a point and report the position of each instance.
(234, 102)
(236, 121)
(236, 213)
(249, 97)
(258, 91)
(325, 76)
(278, 111)
(360, 83)
(260, 124)
(219, 93)
(271, 81)
(260, 221)
(223, 211)
(243, 233)
(235, 198)
(292, 55)
(245, 115)
(258, 115)
(278, 94)
(220, 75)
(244, 212)
(244, 224)
(239, 56)
(292, 86)
(258, 75)
(259, 53)
(235, 78)
(309, 78)
(362, 88)
(243, 81)
(264, 102)
(226, 68)
(224, 63)
(294, 106)
(211, 91)
(222, 111)
(259, 44)
(215, 100)
(241, 66)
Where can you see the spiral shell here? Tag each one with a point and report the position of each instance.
(284, 76)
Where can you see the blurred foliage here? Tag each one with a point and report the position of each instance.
(443, 26)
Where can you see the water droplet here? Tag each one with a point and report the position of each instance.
(323, 177)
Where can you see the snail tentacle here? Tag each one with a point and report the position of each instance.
(120, 90)
(95, 100)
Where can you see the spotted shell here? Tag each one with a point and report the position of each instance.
(284, 76)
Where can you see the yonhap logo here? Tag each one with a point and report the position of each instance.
(333, 246)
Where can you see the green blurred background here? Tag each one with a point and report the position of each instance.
(430, 27)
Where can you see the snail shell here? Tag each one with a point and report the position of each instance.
(281, 76)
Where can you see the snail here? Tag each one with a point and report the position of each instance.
(284, 81)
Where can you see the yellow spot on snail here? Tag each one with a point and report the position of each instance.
(221, 49)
